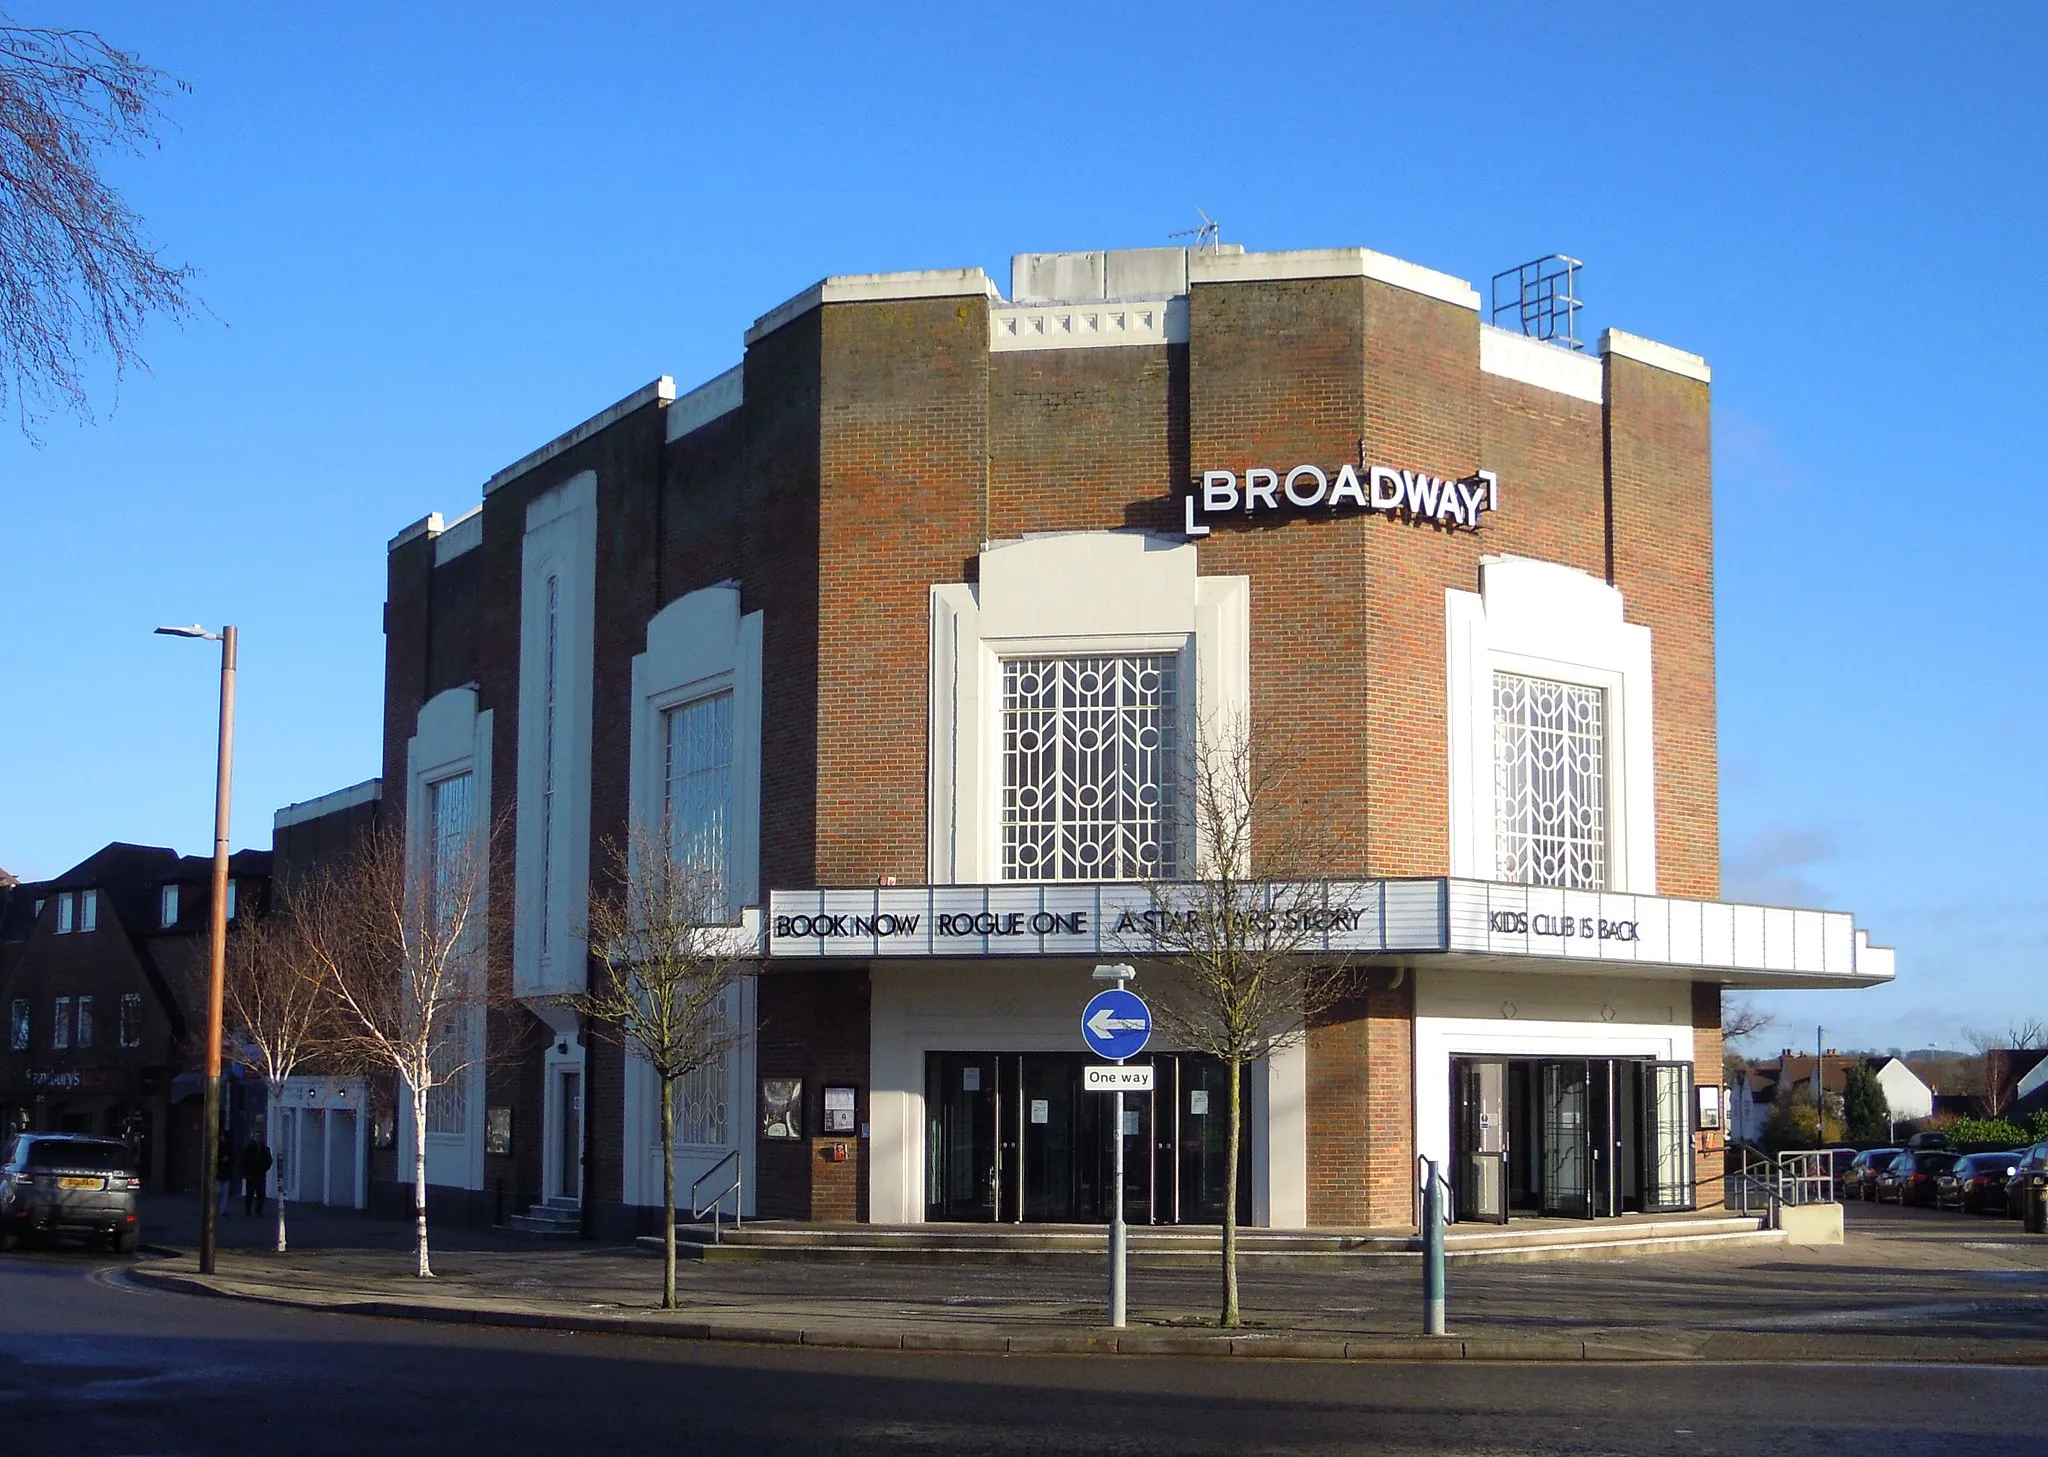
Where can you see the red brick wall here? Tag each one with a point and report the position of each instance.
(1709, 1144)
(1660, 479)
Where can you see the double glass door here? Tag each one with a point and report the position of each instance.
(1013, 1137)
(1578, 1138)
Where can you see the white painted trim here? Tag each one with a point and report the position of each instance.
(560, 542)
(640, 1121)
(699, 645)
(717, 396)
(1033, 1007)
(860, 288)
(659, 391)
(553, 1062)
(427, 525)
(464, 534)
(330, 803)
(1468, 1013)
(1555, 622)
(1658, 356)
(330, 1096)
(1547, 366)
(1064, 592)
(1016, 328)
(451, 737)
(1205, 267)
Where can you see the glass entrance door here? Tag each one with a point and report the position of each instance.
(1567, 1140)
(1014, 1137)
(1480, 1158)
(1667, 1137)
(569, 1142)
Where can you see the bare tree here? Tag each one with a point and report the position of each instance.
(668, 959)
(1992, 1047)
(402, 948)
(78, 275)
(1243, 972)
(1740, 1019)
(277, 1010)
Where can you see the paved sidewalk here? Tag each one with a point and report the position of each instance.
(1910, 1285)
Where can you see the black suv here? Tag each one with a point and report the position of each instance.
(67, 1183)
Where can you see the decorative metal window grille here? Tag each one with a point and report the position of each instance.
(1088, 758)
(1549, 783)
(702, 1103)
(697, 793)
(547, 768)
(18, 1029)
(451, 808)
(85, 1021)
(448, 1099)
(130, 1030)
(60, 1024)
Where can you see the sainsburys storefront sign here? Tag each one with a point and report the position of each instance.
(1262, 493)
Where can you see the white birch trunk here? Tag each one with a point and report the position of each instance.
(425, 1269)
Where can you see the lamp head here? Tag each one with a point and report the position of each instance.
(195, 630)
(1119, 973)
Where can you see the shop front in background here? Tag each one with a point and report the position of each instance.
(1570, 1137)
(1013, 1137)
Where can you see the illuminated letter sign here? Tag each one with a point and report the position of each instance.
(1307, 490)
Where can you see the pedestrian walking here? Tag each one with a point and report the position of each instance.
(224, 1175)
(255, 1173)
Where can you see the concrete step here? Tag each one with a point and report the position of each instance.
(553, 1219)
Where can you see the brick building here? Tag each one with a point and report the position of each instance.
(103, 977)
(910, 613)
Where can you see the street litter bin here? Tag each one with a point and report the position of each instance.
(2037, 1202)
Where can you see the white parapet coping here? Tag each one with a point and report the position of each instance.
(1657, 356)
(1093, 325)
(1332, 263)
(1514, 356)
(427, 525)
(464, 533)
(863, 288)
(329, 803)
(660, 391)
(719, 395)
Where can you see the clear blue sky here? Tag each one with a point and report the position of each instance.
(433, 237)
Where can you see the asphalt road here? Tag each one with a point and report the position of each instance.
(90, 1364)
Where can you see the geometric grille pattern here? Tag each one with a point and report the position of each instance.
(696, 797)
(1549, 783)
(1088, 755)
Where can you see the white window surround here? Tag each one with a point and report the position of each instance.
(1060, 594)
(451, 738)
(979, 1007)
(698, 645)
(65, 909)
(1542, 620)
(642, 1125)
(169, 916)
(88, 910)
(553, 878)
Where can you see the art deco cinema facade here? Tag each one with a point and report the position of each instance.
(910, 611)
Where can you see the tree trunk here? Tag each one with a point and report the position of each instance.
(1233, 1070)
(425, 1269)
(668, 1203)
(276, 1098)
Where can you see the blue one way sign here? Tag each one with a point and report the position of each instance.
(1116, 1024)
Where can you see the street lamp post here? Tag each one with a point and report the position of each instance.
(209, 1155)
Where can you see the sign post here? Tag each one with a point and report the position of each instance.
(1116, 1024)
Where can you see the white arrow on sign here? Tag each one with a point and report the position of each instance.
(1105, 1022)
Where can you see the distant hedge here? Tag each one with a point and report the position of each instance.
(1998, 1132)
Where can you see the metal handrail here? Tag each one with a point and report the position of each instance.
(1427, 1168)
(716, 1207)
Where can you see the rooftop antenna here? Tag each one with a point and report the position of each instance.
(1542, 297)
(1206, 237)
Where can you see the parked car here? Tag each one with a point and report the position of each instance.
(1929, 1139)
(1859, 1179)
(68, 1183)
(1977, 1181)
(1910, 1178)
(2033, 1161)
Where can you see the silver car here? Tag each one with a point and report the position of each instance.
(68, 1183)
